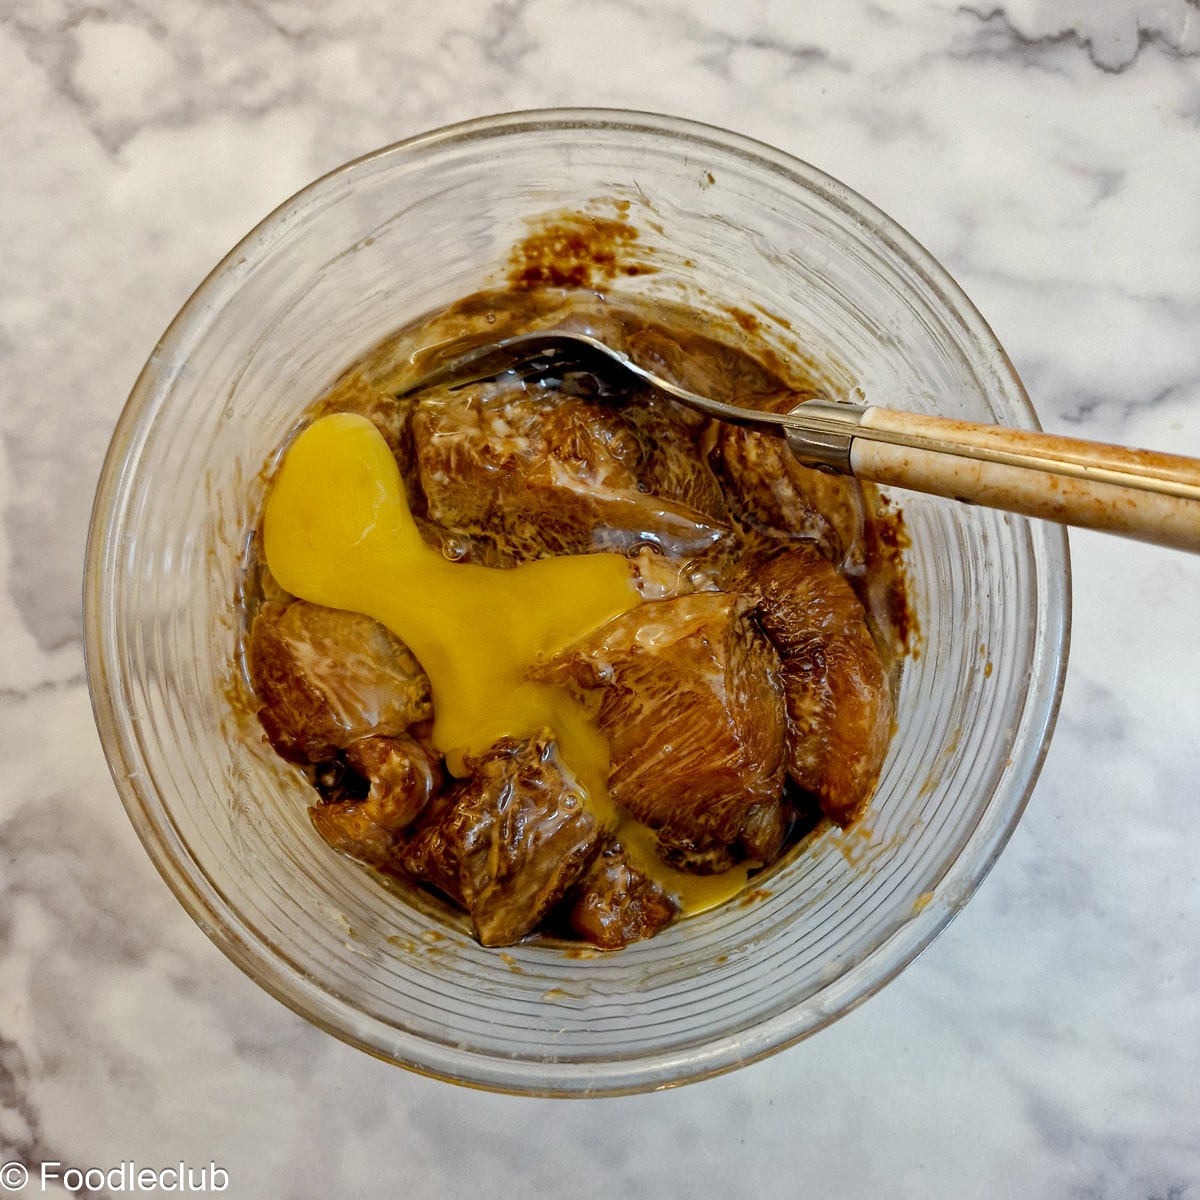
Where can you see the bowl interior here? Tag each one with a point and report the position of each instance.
(374, 247)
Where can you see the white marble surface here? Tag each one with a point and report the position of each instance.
(1048, 1045)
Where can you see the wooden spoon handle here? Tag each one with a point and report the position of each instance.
(1137, 493)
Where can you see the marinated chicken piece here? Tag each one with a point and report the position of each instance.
(327, 678)
(537, 474)
(772, 494)
(616, 904)
(508, 842)
(671, 465)
(838, 703)
(765, 829)
(691, 703)
(348, 828)
(403, 775)
(697, 852)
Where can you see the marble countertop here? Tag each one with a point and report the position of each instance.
(1048, 1044)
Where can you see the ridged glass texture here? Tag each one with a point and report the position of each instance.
(376, 245)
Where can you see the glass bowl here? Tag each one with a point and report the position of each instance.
(376, 245)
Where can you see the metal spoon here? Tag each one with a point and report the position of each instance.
(1136, 493)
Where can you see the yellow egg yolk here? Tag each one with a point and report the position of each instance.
(338, 531)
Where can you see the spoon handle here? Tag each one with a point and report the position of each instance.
(1139, 494)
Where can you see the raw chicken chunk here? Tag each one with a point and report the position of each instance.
(326, 678)
(766, 828)
(542, 474)
(616, 904)
(773, 494)
(508, 842)
(838, 703)
(691, 703)
(670, 464)
(348, 828)
(403, 775)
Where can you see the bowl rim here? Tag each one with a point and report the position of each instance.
(1049, 546)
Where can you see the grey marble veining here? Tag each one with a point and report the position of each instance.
(1048, 1045)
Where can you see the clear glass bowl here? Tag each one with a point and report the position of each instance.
(377, 245)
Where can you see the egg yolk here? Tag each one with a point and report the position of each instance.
(338, 531)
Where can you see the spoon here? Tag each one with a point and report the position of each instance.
(1139, 494)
